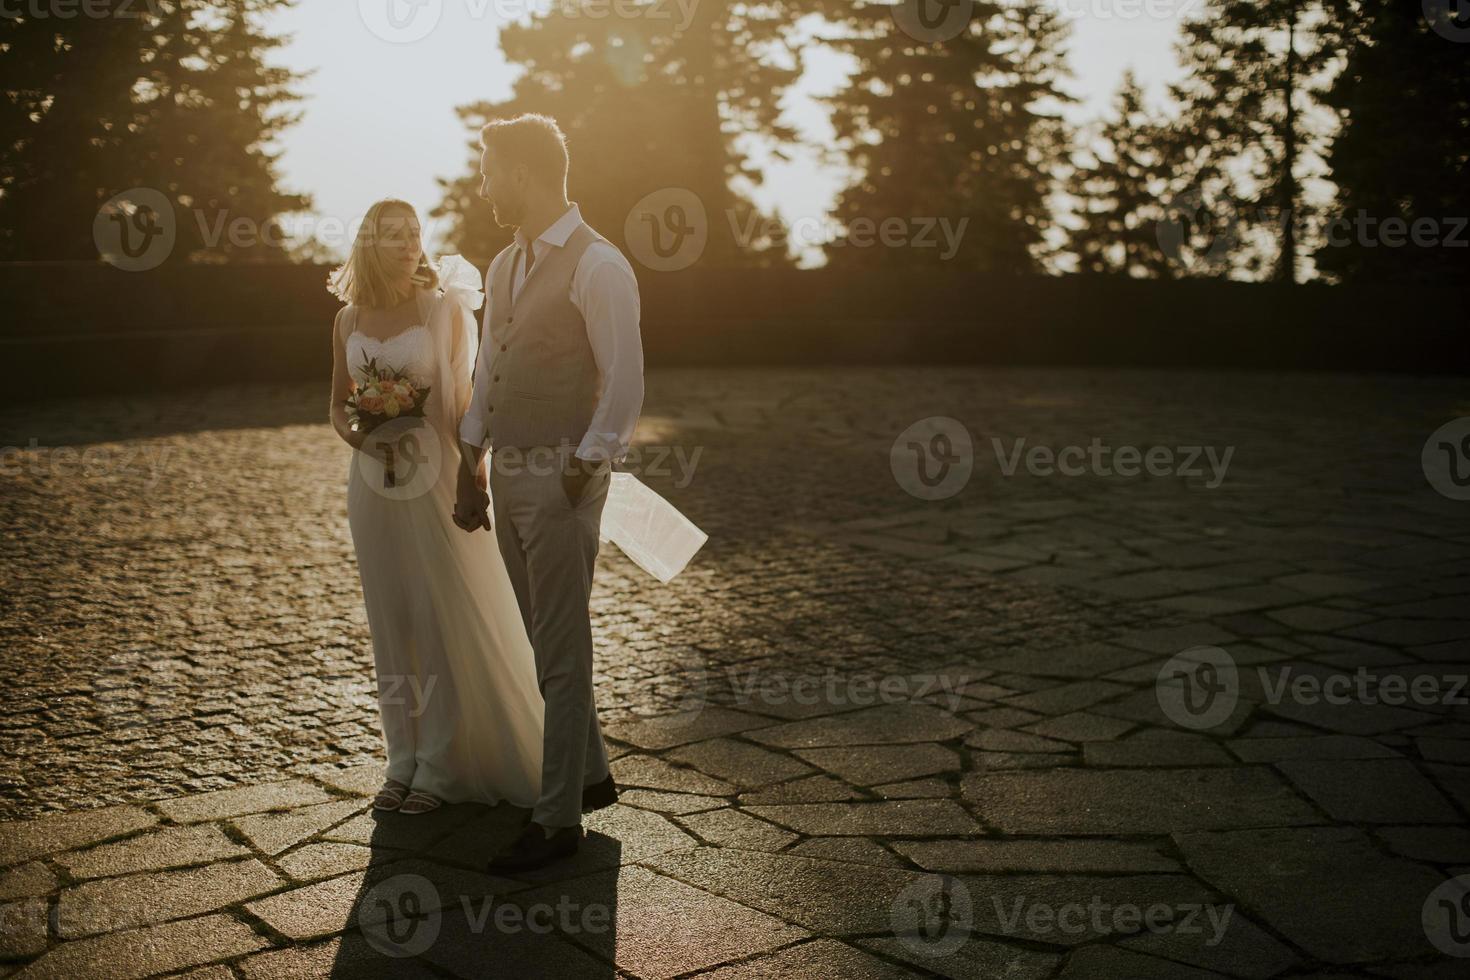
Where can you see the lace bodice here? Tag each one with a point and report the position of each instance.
(409, 351)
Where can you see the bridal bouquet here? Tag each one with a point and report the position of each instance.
(386, 395)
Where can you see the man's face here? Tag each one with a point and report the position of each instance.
(505, 188)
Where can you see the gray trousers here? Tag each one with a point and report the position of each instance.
(550, 550)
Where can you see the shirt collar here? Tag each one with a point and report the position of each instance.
(558, 232)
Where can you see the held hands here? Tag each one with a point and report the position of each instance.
(471, 502)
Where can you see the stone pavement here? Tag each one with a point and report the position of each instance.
(1208, 720)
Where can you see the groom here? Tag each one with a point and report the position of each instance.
(557, 391)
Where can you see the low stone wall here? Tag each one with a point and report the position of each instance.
(79, 326)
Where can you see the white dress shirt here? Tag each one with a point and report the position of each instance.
(605, 291)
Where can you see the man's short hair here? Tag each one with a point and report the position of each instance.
(532, 139)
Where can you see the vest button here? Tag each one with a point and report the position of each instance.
(496, 378)
(510, 319)
(502, 347)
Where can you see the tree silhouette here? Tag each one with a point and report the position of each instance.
(1251, 67)
(175, 96)
(1119, 195)
(1403, 154)
(647, 104)
(961, 127)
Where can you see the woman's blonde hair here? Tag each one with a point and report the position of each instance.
(361, 280)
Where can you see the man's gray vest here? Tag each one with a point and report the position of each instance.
(543, 384)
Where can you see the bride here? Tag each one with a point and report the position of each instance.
(461, 711)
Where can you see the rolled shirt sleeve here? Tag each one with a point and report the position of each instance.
(605, 291)
(472, 426)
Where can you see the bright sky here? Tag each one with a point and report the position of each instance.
(379, 115)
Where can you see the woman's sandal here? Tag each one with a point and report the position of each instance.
(419, 802)
(391, 796)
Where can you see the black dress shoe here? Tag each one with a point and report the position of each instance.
(599, 795)
(533, 849)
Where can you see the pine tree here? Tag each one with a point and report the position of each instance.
(1404, 150)
(1251, 66)
(964, 127)
(1119, 195)
(174, 96)
(645, 106)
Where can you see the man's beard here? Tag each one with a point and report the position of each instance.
(508, 213)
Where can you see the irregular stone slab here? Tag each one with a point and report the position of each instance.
(639, 833)
(676, 803)
(653, 734)
(21, 840)
(1059, 856)
(987, 761)
(652, 772)
(745, 765)
(1327, 889)
(470, 944)
(1006, 740)
(1065, 698)
(1175, 639)
(812, 789)
(1002, 717)
(26, 881)
(858, 850)
(877, 819)
(914, 789)
(1156, 749)
(651, 937)
(886, 724)
(245, 799)
(1134, 801)
(828, 897)
(145, 952)
(328, 907)
(316, 861)
(1070, 910)
(1309, 747)
(363, 780)
(819, 958)
(1109, 962)
(111, 904)
(1439, 845)
(737, 828)
(1085, 661)
(171, 847)
(1081, 727)
(1371, 790)
(275, 832)
(351, 957)
(312, 911)
(977, 959)
(1241, 948)
(1317, 619)
(1352, 718)
(23, 929)
(874, 764)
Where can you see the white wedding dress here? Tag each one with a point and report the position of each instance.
(461, 711)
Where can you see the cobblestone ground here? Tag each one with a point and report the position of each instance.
(1181, 724)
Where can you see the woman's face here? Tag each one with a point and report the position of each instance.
(398, 242)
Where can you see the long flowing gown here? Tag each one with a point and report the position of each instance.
(461, 711)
